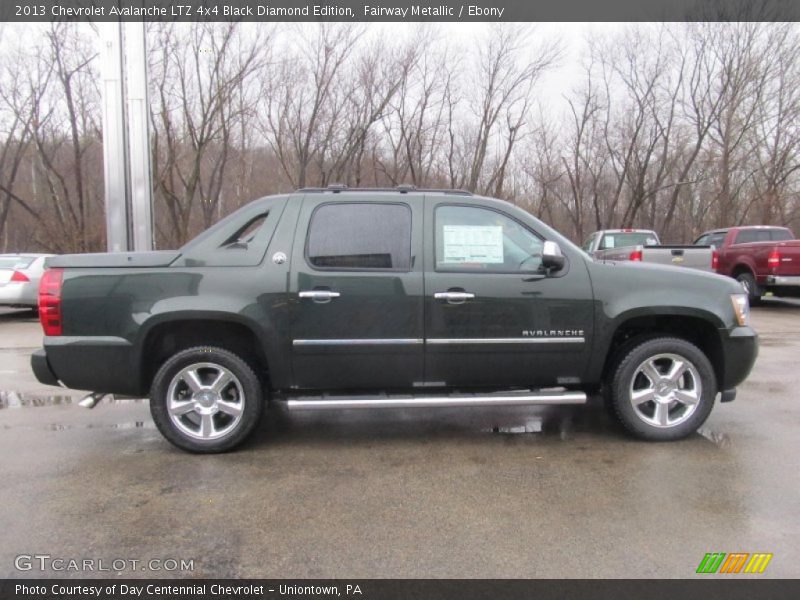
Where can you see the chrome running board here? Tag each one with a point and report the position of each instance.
(434, 401)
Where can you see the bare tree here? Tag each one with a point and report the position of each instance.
(201, 78)
(504, 84)
(680, 127)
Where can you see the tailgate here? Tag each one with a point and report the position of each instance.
(692, 257)
(789, 263)
(623, 253)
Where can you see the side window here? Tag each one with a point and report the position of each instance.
(703, 240)
(781, 235)
(587, 246)
(360, 236)
(477, 239)
(246, 233)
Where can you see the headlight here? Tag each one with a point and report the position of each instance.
(741, 307)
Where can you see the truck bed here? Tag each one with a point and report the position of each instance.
(162, 258)
(693, 257)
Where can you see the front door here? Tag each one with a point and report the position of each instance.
(356, 293)
(493, 318)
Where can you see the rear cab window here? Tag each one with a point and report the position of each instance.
(711, 239)
(623, 239)
(716, 239)
(748, 236)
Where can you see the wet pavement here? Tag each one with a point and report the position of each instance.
(424, 493)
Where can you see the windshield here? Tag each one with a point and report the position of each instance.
(624, 239)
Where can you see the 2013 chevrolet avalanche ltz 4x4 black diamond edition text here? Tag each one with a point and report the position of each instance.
(347, 299)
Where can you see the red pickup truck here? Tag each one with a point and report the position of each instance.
(763, 258)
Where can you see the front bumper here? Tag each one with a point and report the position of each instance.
(740, 349)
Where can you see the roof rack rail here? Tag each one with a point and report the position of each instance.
(335, 188)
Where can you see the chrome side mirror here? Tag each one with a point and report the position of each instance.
(552, 258)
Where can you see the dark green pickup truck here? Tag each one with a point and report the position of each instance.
(367, 298)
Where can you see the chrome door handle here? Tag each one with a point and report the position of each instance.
(454, 296)
(319, 294)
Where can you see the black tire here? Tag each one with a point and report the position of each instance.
(627, 374)
(750, 286)
(606, 392)
(250, 400)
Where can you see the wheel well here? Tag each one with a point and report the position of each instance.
(167, 339)
(739, 269)
(695, 330)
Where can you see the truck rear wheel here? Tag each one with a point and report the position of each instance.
(206, 400)
(663, 389)
(750, 286)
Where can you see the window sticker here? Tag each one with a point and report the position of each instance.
(651, 241)
(473, 244)
(608, 241)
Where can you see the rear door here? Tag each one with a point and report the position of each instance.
(492, 317)
(356, 292)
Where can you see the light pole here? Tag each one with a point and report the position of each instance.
(126, 137)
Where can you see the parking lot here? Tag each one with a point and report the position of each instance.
(429, 493)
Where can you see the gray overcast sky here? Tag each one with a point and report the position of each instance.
(550, 90)
(572, 36)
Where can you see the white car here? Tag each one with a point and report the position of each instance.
(19, 279)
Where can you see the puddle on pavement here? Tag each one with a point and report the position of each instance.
(22, 400)
(16, 400)
(529, 426)
(564, 422)
(720, 439)
(132, 425)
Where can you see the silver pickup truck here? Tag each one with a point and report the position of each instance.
(643, 245)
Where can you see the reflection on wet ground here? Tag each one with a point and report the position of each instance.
(130, 425)
(720, 439)
(484, 492)
(17, 400)
(23, 400)
(558, 422)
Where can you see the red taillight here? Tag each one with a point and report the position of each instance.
(19, 277)
(774, 259)
(50, 301)
(714, 260)
(636, 255)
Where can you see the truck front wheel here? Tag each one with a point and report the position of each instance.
(206, 400)
(663, 389)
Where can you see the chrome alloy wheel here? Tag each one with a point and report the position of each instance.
(205, 401)
(665, 390)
